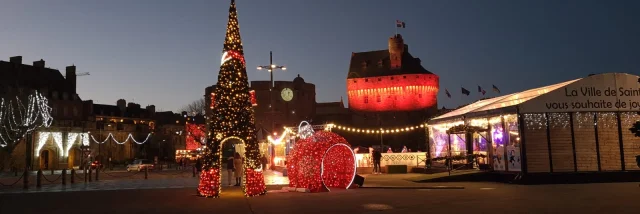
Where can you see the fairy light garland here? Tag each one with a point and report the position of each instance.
(71, 139)
(376, 131)
(129, 137)
(57, 139)
(42, 140)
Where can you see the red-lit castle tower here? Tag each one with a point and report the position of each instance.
(388, 88)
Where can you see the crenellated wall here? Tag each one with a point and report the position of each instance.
(404, 92)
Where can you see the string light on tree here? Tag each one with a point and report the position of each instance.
(20, 117)
(231, 118)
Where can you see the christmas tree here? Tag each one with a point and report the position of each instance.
(232, 119)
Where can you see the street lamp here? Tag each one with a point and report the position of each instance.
(272, 68)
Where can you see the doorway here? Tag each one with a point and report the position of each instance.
(45, 159)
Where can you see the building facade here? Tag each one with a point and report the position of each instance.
(293, 101)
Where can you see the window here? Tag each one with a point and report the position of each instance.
(65, 111)
(379, 79)
(366, 80)
(391, 78)
(75, 111)
(404, 77)
(355, 81)
(419, 95)
(378, 98)
(366, 99)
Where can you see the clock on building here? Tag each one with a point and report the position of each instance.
(287, 94)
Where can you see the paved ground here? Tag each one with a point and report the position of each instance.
(122, 181)
(475, 198)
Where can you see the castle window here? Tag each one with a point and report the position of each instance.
(419, 95)
(378, 98)
(379, 63)
(391, 78)
(366, 80)
(355, 81)
(379, 79)
(404, 77)
(366, 99)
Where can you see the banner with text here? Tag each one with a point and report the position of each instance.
(602, 92)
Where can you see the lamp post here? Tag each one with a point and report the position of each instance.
(272, 68)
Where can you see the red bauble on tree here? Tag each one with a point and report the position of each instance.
(322, 160)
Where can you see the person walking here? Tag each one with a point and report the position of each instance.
(230, 169)
(264, 162)
(237, 166)
(377, 155)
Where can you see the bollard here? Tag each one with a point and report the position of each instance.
(85, 174)
(194, 172)
(89, 174)
(64, 177)
(39, 179)
(97, 174)
(146, 173)
(25, 176)
(51, 171)
(73, 176)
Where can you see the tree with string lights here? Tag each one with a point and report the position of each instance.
(21, 116)
(232, 119)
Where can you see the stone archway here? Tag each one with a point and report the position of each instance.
(46, 159)
(74, 159)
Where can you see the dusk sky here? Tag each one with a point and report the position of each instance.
(165, 52)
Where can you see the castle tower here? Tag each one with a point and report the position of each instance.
(396, 49)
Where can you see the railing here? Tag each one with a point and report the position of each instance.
(409, 159)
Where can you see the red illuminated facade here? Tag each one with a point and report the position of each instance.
(390, 81)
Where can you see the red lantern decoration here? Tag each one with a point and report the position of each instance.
(321, 161)
(252, 95)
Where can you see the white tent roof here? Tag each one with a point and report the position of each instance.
(503, 101)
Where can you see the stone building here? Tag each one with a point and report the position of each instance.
(293, 101)
(390, 88)
(106, 130)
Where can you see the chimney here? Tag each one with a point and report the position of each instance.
(39, 64)
(151, 109)
(16, 60)
(122, 105)
(70, 76)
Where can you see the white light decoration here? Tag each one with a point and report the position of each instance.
(16, 121)
(130, 136)
(355, 165)
(57, 138)
(42, 139)
(71, 139)
(85, 139)
(305, 131)
(280, 139)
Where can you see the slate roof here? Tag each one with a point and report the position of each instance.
(410, 65)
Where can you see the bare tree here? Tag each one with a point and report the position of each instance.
(195, 107)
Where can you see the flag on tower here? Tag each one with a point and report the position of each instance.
(495, 89)
(479, 89)
(447, 92)
(400, 24)
(465, 91)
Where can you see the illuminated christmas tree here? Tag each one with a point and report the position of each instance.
(232, 119)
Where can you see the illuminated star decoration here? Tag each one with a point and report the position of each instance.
(228, 55)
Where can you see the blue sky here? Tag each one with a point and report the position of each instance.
(165, 52)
